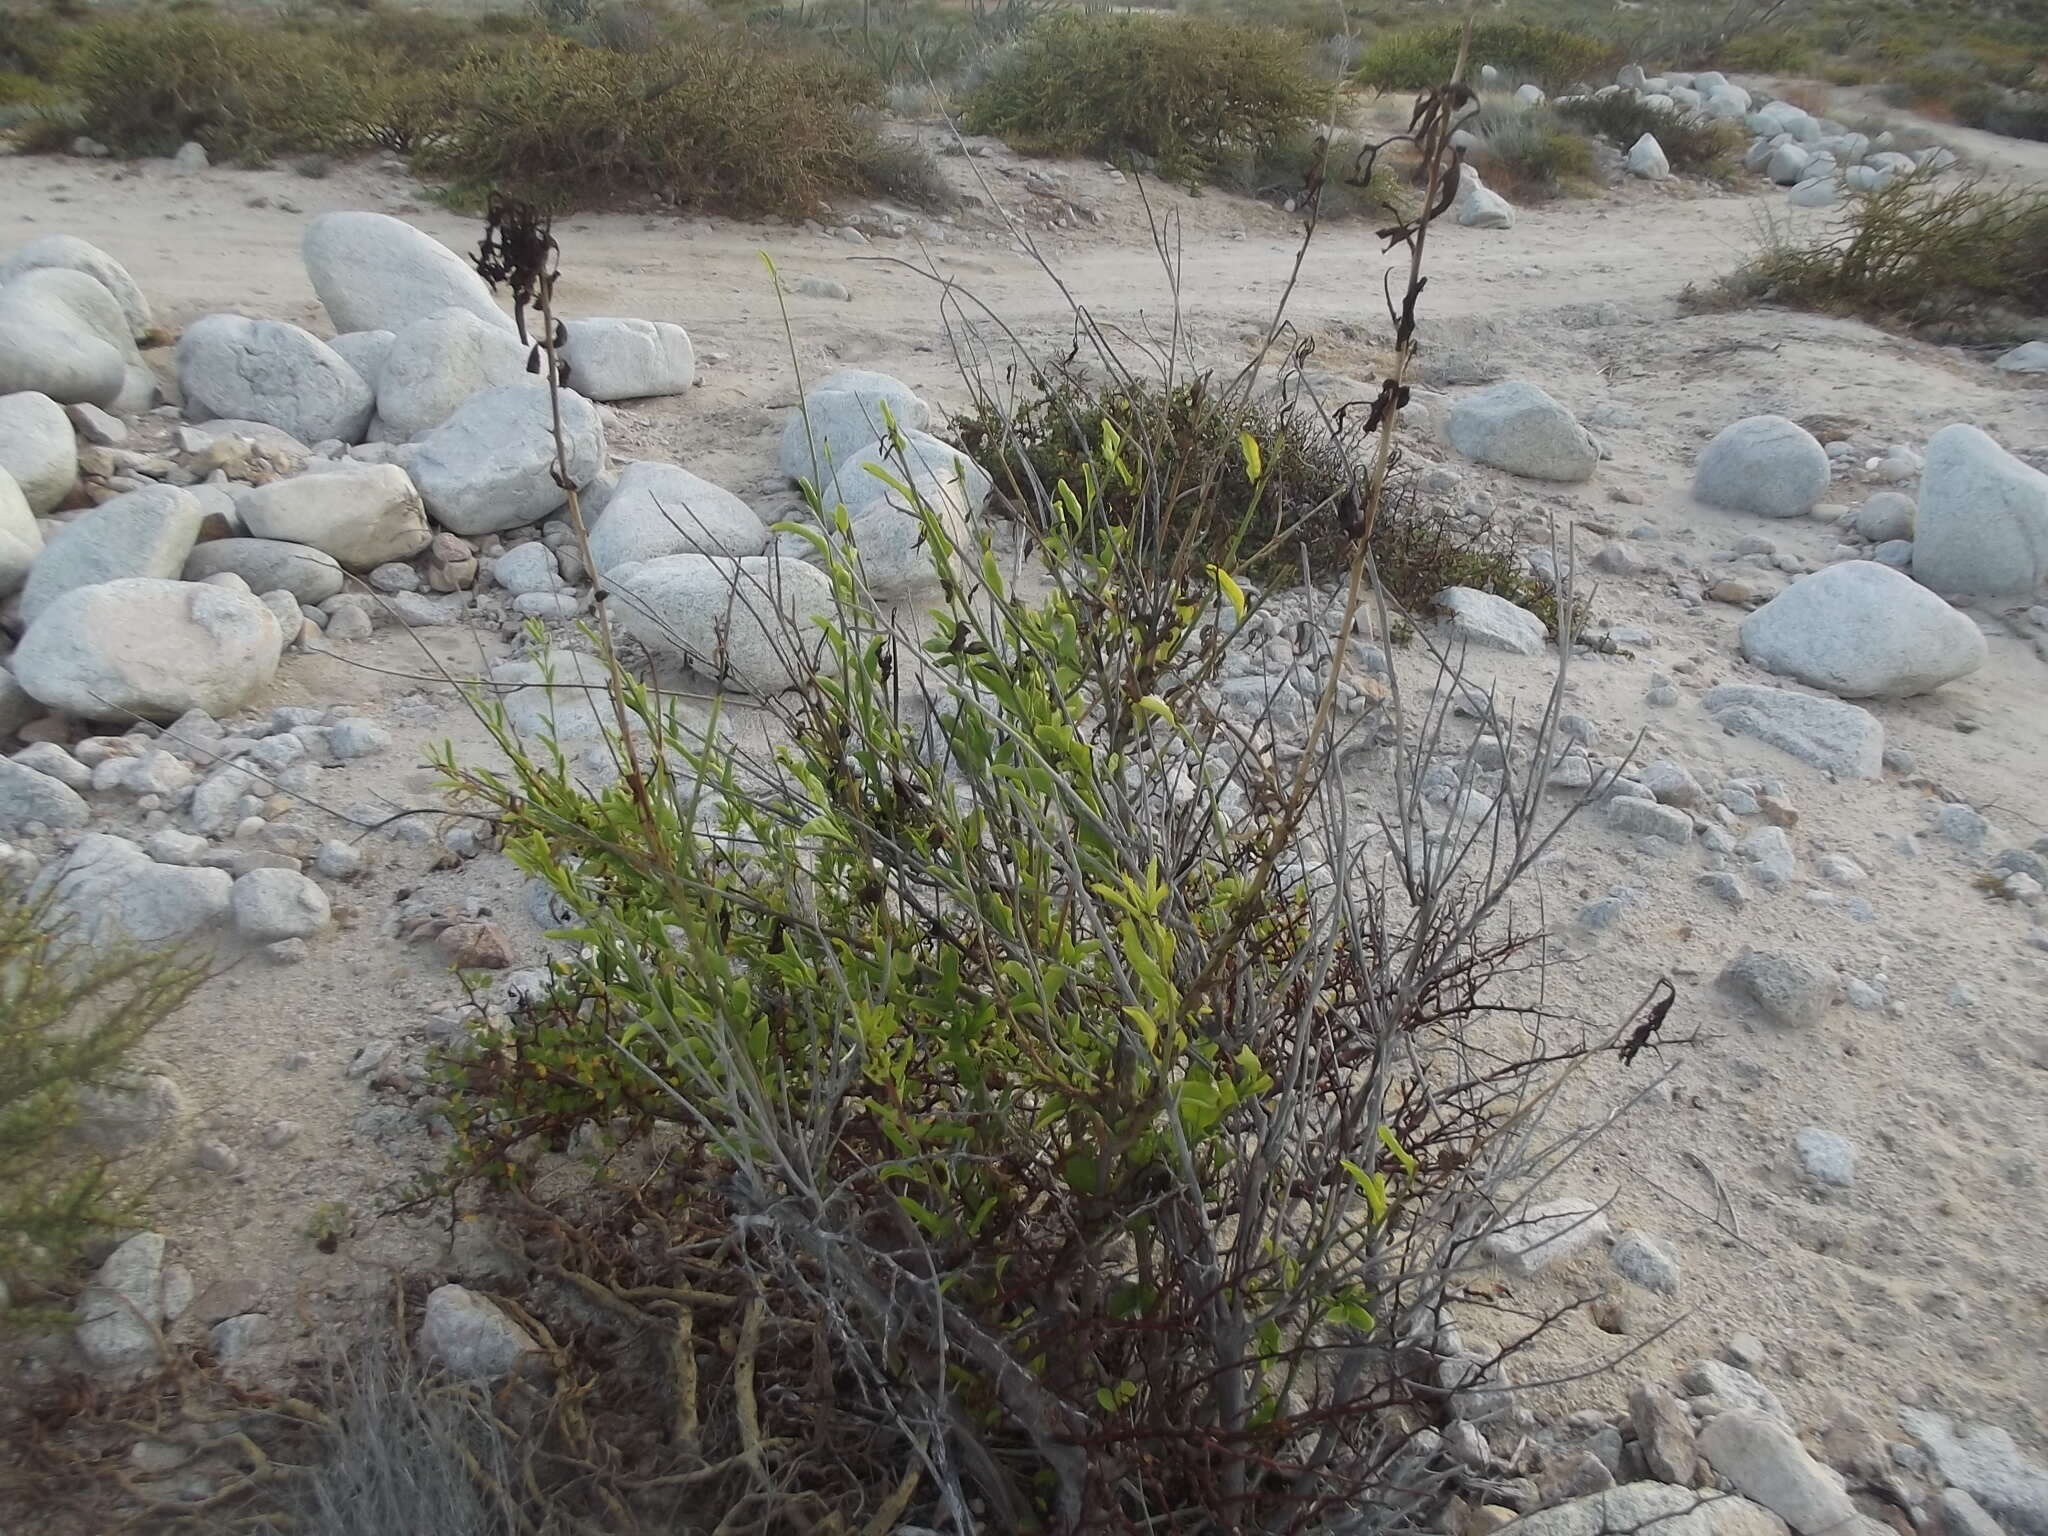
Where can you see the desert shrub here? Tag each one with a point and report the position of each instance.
(146, 82)
(1204, 504)
(1695, 145)
(713, 120)
(2016, 114)
(1531, 153)
(1415, 58)
(1179, 93)
(1914, 253)
(1279, 172)
(67, 1022)
(1764, 53)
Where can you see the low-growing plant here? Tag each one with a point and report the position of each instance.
(1413, 58)
(2015, 114)
(1177, 94)
(1284, 171)
(68, 1020)
(1915, 253)
(1695, 145)
(1531, 152)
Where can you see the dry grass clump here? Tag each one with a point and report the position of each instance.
(1695, 145)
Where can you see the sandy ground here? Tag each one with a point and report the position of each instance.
(1922, 1284)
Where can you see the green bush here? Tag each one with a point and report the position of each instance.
(145, 83)
(1278, 173)
(67, 1022)
(713, 120)
(1206, 507)
(1695, 145)
(1531, 153)
(1182, 94)
(1915, 254)
(2015, 114)
(1415, 58)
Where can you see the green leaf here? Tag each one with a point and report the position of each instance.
(1232, 592)
(1254, 461)
(1402, 1155)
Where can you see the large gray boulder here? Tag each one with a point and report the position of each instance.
(1478, 206)
(863, 476)
(38, 448)
(1763, 464)
(68, 251)
(491, 465)
(1837, 738)
(377, 273)
(28, 795)
(270, 565)
(268, 371)
(1646, 158)
(365, 352)
(1983, 1461)
(752, 623)
(363, 516)
(437, 363)
(1862, 630)
(1517, 427)
(2029, 357)
(849, 411)
(891, 540)
(660, 509)
(63, 335)
(1982, 529)
(612, 359)
(149, 532)
(107, 891)
(150, 648)
(21, 536)
(120, 1313)
(1790, 989)
(1768, 1466)
(1887, 516)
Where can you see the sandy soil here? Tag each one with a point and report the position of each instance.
(1922, 1284)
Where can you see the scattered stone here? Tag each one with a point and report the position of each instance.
(1724, 887)
(491, 465)
(1517, 427)
(1547, 1233)
(1718, 1387)
(1791, 990)
(1887, 517)
(1962, 1515)
(1658, 1507)
(1477, 206)
(477, 946)
(1963, 826)
(268, 371)
(847, 413)
(2028, 357)
(1840, 869)
(120, 1311)
(1982, 528)
(660, 509)
(1839, 738)
(236, 1338)
(353, 738)
(1664, 1434)
(191, 156)
(1827, 1158)
(1646, 158)
(1862, 630)
(821, 288)
(148, 648)
(377, 273)
(611, 359)
(1648, 818)
(29, 797)
(1672, 784)
(1493, 623)
(40, 452)
(274, 904)
(1646, 1261)
(472, 1339)
(1763, 464)
(1767, 1464)
(363, 516)
(527, 568)
(1983, 1461)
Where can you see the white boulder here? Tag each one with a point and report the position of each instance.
(1482, 619)
(270, 565)
(38, 448)
(275, 904)
(1819, 192)
(660, 509)
(146, 647)
(1863, 631)
(1517, 427)
(107, 891)
(1843, 739)
(1646, 158)
(268, 371)
(435, 364)
(147, 533)
(21, 536)
(863, 477)
(120, 1313)
(491, 465)
(846, 413)
(1763, 464)
(63, 335)
(82, 256)
(377, 273)
(1478, 206)
(365, 352)
(1788, 163)
(363, 516)
(2030, 357)
(1982, 529)
(471, 1338)
(1886, 516)
(27, 795)
(612, 359)
(753, 623)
